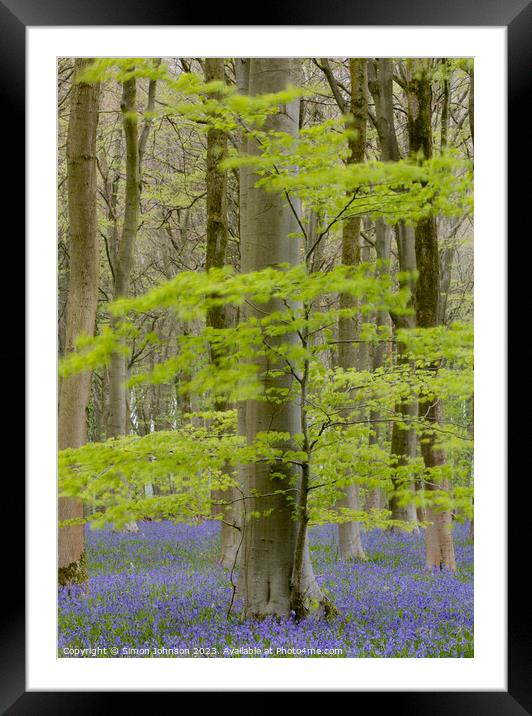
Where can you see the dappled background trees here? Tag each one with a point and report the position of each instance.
(283, 329)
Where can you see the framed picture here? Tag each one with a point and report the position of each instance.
(484, 42)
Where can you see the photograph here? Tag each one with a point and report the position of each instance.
(265, 386)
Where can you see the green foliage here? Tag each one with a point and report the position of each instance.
(278, 331)
(285, 328)
(185, 464)
(93, 352)
(310, 166)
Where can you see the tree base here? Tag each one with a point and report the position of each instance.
(74, 573)
(302, 609)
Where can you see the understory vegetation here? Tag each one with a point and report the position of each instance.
(162, 593)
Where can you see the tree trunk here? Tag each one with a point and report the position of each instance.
(242, 81)
(380, 83)
(472, 103)
(376, 497)
(446, 263)
(123, 259)
(438, 535)
(269, 539)
(349, 540)
(439, 540)
(124, 256)
(403, 450)
(404, 441)
(216, 182)
(446, 100)
(446, 266)
(82, 301)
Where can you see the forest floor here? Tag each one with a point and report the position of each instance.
(160, 592)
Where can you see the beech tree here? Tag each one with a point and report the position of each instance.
(272, 582)
(216, 245)
(404, 438)
(122, 253)
(439, 539)
(74, 391)
(351, 354)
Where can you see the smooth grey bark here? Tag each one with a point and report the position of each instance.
(216, 181)
(349, 535)
(269, 540)
(237, 517)
(242, 65)
(447, 258)
(122, 261)
(380, 83)
(446, 99)
(325, 67)
(446, 271)
(438, 535)
(122, 257)
(82, 301)
(376, 498)
(404, 441)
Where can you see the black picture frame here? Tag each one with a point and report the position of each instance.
(516, 16)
